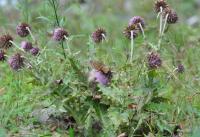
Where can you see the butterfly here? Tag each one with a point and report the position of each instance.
(99, 66)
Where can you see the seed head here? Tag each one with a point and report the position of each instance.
(22, 29)
(154, 60)
(172, 16)
(136, 20)
(99, 35)
(35, 51)
(5, 41)
(27, 46)
(2, 55)
(59, 34)
(16, 62)
(180, 68)
(132, 28)
(159, 4)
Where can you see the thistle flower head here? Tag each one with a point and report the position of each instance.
(5, 41)
(160, 4)
(27, 46)
(22, 29)
(172, 16)
(154, 60)
(180, 68)
(131, 29)
(98, 35)
(35, 51)
(2, 55)
(16, 62)
(136, 20)
(59, 34)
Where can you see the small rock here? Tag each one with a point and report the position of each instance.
(43, 115)
(193, 21)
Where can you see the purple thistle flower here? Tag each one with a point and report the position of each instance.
(127, 31)
(160, 3)
(180, 68)
(5, 41)
(16, 62)
(99, 77)
(35, 51)
(59, 34)
(27, 46)
(98, 35)
(136, 20)
(172, 16)
(22, 30)
(2, 55)
(154, 60)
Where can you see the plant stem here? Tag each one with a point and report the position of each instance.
(33, 38)
(52, 2)
(142, 30)
(132, 44)
(166, 17)
(55, 12)
(69, 50)
(161, 10)
(16, 45)
(162, 31)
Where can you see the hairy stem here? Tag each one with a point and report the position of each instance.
(142, 30)
(161, 20)
(132, 44)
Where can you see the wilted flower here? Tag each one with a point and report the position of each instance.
(27, 46)
(22, 29)
(5, 41)
(2, 55)
(134, 29)
(136, 20)
(180, 68)
(59, 34)
(154, 60)
(98, 35)
(35, 51)
(16, 62)
(172, 16)
(160, 4)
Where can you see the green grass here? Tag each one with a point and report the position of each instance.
(162, 104)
